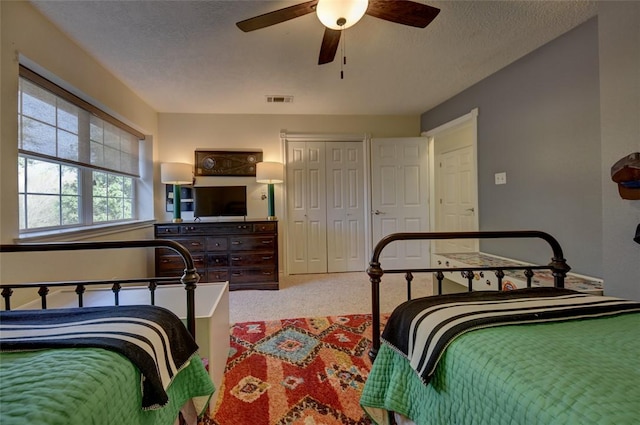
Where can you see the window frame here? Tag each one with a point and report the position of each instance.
(86, 216)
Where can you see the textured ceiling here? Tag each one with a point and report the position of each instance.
(188, 56)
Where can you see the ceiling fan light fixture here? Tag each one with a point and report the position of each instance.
(332, 13)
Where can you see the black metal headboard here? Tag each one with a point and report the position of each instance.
(558, 265)
(189, 278)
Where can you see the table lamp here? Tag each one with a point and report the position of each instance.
(270, 173)
(176, 173)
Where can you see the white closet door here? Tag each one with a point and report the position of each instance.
(456, 186)
(456, 207)
(400, 198)
(306, 197)
(345, 206)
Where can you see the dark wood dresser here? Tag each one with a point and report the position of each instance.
(244, 253)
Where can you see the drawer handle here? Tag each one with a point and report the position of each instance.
(217, 243)
(267, 273)
(268, 257)
(235, 258)
(236, 243)
(195, 260)
(236, 274)
(164, 260)
(196, 244)
(243, 227)
(167, 230)
(267, 242)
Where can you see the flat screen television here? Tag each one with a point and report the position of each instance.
(220, 201)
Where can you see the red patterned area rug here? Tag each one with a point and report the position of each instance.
(306, 371)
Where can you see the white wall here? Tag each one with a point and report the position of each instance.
(25, 33)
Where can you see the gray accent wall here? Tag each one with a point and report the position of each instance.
(619, 36)
(539, 121)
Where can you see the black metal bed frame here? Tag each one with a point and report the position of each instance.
(558, 266)
(189, 278)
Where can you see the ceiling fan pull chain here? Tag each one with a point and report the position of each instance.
(343, 40)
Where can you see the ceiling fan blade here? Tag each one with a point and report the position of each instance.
(277, 16)
(403, 12)
(329, 45)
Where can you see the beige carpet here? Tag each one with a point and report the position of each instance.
(329, 294)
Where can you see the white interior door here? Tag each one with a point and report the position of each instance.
(456, 186)
(345, 206)
(399, 198)
(306, 209)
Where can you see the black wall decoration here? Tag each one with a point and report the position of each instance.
(226, 163)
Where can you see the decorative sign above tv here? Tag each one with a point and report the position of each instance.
(226, 163)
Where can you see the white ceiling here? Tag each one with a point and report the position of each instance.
(188, 56)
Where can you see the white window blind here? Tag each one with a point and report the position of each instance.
(52, 127)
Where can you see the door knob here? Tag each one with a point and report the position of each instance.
(378, 212)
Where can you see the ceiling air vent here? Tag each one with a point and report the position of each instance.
(279, 99)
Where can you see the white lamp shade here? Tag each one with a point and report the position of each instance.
(176, 173)
(269, 172)
(329, 11)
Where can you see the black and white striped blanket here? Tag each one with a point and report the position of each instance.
(152, 338)
(421, 329)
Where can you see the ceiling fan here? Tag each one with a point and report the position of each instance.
(337, 15)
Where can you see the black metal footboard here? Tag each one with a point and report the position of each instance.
(558, 266)
(189, 277)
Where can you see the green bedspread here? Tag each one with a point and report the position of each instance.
(578, 372)
(87, 386)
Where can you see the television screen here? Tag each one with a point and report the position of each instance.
(216, 201)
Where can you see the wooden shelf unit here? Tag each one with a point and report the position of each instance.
(245, 253)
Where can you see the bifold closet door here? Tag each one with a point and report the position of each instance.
(325, 207)
(306, 207)
(345, 206)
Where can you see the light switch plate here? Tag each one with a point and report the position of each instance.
(501, 178)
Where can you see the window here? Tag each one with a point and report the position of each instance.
(77, 166)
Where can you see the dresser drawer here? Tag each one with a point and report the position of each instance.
(217, 244)
(218, 275)
(192, 245)
(252, 275)
(264, 228)
(191, 230)
(175, 263)
(244, 260)
(217, 260)
(166, 230)
(251, 243)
